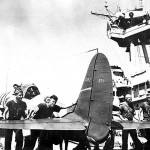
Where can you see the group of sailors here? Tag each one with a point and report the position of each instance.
(127, 112)
(16, 109)
(125, 23)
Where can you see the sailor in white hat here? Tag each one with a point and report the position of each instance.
(127, 113)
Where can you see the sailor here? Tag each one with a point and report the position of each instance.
(146, 18)
(127, 112)
(43, 110)
(121, 21)
(16, 110)
(131, 19)
(145, 109)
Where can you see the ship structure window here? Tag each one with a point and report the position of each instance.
(142, 89)
(123, 92)
(142, 86)
(148, 84)
(114, 93)
(120, 92)
(117, 73)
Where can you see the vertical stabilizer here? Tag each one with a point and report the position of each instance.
(94, 104)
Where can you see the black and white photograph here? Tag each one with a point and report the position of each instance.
(75, 75)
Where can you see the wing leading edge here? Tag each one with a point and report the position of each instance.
(131, 125)
(43, 124)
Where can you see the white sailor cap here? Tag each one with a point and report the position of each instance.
(128, 96)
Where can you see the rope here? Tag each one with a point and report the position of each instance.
(77, 54)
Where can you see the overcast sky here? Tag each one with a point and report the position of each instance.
(45, 42)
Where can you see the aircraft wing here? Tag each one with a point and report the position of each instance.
(42, 124)
(131, 125)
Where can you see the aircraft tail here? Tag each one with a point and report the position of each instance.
(94, 105)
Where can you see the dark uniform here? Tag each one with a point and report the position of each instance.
(16, 112)
(127, 112)
(121, 22)
(146, 116)
(43, 112)
(46, 112)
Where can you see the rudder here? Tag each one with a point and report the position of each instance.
(94, 104)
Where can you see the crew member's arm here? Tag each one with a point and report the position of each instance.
(32, 112)
(122, 118)
(68, 106)
(25, 112)
(56, 115)
(140, 114)
(121, 112)
(5, 112)
(56, 112)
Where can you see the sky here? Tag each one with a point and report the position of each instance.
(46, 42)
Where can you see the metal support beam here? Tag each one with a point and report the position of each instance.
(145, 53)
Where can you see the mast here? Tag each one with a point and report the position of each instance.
(141, 4)
(127, 4)
(145, 53)
(132, 4)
